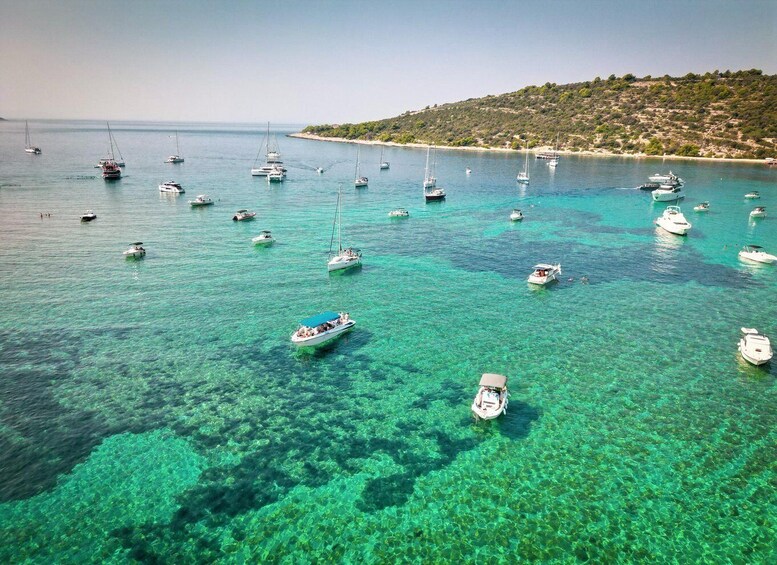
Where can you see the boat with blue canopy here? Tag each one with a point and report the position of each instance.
(321, 328)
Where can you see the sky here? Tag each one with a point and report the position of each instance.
(336, 61)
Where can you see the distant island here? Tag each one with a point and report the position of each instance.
(716, 115)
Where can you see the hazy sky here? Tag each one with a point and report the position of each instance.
(335, 61)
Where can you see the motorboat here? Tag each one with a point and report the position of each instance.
(516, 215)
(702, 207)
(755, 347)
(171, 186)
(201, 200)
(758, 212)
(276, 174)
(468, 171)
(177, 157)
(651, 186)
(492, 397)
(321, 328)
(264, 238)
(757, 254)
(28, 146)
(110, 170)
(667, 193)
(399, 213)
(135, 250)
(343, 258)
(320, 170)
(673, 221)
(88, 216)
(753, 195)
(241, 215)
(434, 195)
(670, 178)
(544, 273)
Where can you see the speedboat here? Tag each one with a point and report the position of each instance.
(241, 215)
(753, 195)
(544, 273)
(345, 259)
(755, 347)
(276, 174)
(88, 216)
(673, 221)
(399, 213)
(360, 182)
(702, 207)
(174, 159)
(516, 215)
(321, 328)
(171, 186)
(264, 238)
(135, 250)
(492, 397)
(201, 200)
(664, 179)
(434, 195)
(758, 212)
(757, 254)
(667, 193)
(111, 170)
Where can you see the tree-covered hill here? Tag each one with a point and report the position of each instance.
(729, 114)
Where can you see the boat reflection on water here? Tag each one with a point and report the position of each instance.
(666, 259)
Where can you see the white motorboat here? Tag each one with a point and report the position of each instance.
(544, 273)
(28, 146)
(171, 186)
(757, 254)
(702, 207)
(242, 215)
(135, 250)
(276, 174)
(753, 195)
(667, 193)
(201, 200)
(670, 178)
(177, 157)
(434, 195)
(88, 216)
(320, 170)
(673, 221)
(516, 215)
(359, 180)
(321, 328)
(399, 213)
(344, 258)
(264, 238)
(492, 397)
(755, 347)
(758, 212)
(468, 171)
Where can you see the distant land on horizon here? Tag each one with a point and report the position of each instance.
(718, 115)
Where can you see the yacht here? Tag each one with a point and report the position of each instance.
(171, 186)
(757, 254)
(114, 145)
(321, 328)
(135, 250)
(755, 347)
(241, 215)
(276, 174)
(430, 181)
(110, 170)
(399, 213)
(544, 273)
(201, 200)
(753, 195)
(670, 178)
(177, 157)
(523, 176)
(359, 180)
(516, 215)
(673, 221)
(492, 397)
(432, 192)
(702, 207)
(344, 258)
(88, 216)
(264, 238)
(758, 212)
(28, 146)
(384, 165)
(667, 193)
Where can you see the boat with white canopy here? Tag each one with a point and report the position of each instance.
(673, 221)
(171, 186)
(492, 397)
(321, 328)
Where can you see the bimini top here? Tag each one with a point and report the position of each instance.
(493, 380)
(319, 319)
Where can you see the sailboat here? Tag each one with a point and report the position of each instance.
(552, 163)
(272, 159)
(120, 161)
(432, 192)
(523, 176)
(345, 258)
(28, 146)
(177, 157)
(383, 164)
(359, 181)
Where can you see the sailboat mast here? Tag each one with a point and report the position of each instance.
(426, 169)
(177, 148)
(26, 134)
(339, 219)
(110, 141)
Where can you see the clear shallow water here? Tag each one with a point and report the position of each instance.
(156, 409)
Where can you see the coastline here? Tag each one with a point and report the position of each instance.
(314, 137)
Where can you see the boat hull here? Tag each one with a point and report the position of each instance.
(750, 357)
(322, 337)
(338, 264)
(661, 195)
(766, 258)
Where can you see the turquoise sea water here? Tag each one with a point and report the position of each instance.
(155, 410)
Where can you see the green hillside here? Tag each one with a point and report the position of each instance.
(730, 114)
